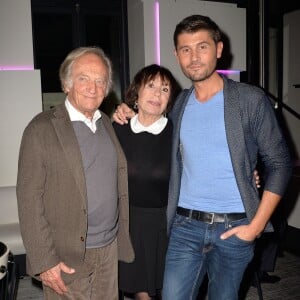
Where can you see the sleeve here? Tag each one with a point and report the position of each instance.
(31, 182)
(272, 148)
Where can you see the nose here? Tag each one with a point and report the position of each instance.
(91, 87)
(194, 55)
(157, 91)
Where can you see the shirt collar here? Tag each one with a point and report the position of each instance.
(156, 128)
(76, 115)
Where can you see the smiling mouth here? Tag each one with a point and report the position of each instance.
(154, 103)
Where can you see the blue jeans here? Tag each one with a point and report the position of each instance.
(195, 248)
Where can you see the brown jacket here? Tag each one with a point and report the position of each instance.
(51, 193)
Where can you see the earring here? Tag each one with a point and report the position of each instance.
(135, 106)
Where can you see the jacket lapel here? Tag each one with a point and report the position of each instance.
(234, 127)
(67, 138)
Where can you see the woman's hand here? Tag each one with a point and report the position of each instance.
(122, 114)
(257, 179)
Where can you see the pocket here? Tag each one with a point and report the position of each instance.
(180, 220)
(81, 271)
(237, 223)
(243, 241)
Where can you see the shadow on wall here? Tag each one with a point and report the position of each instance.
(110, 103)
(225, 61)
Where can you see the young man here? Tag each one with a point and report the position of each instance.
(214, 210)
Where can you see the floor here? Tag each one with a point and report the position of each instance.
(288, 288)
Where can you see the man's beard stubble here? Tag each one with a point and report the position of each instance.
(198, 77)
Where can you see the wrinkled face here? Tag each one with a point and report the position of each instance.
(87, 89)
(153, 98)
(197, 54)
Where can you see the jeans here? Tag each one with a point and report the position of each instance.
(195, 248)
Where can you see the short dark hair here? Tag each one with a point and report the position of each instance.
(196, 23)
(146, 75)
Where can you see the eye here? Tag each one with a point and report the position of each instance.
(83, 79)
(100, 82)
(203, 47)
(150, 84)
(185, 50)
(165, 89)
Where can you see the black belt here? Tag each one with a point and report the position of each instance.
(210, 218)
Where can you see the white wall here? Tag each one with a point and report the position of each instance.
(20, 96)
(136, 35)
(291, 76)
(232, 21)
(16, 33)
(20, 100)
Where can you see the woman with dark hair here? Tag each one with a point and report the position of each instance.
(146, 141)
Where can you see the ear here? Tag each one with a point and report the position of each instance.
(66, 87)
(219, 49)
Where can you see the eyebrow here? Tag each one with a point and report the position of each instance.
(196, 44)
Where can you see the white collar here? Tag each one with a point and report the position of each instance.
(156, 128)
(76, 115)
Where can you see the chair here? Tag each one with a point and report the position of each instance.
(256, 281)
(8, 274)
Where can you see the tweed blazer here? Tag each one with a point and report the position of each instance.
(52, 196)
(251, 130)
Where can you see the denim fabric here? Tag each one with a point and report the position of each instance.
(195, 248)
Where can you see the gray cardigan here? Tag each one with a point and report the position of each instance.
(251, 129)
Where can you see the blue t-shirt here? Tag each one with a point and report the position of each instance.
(208, 182)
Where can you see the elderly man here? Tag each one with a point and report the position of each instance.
(72, 188)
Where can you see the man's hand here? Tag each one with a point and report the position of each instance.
(243, 232)
(250, 232)
(122, 114)
(52, 278)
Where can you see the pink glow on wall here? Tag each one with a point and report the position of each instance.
(16, 68)
(229, 72)
(157, 33)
